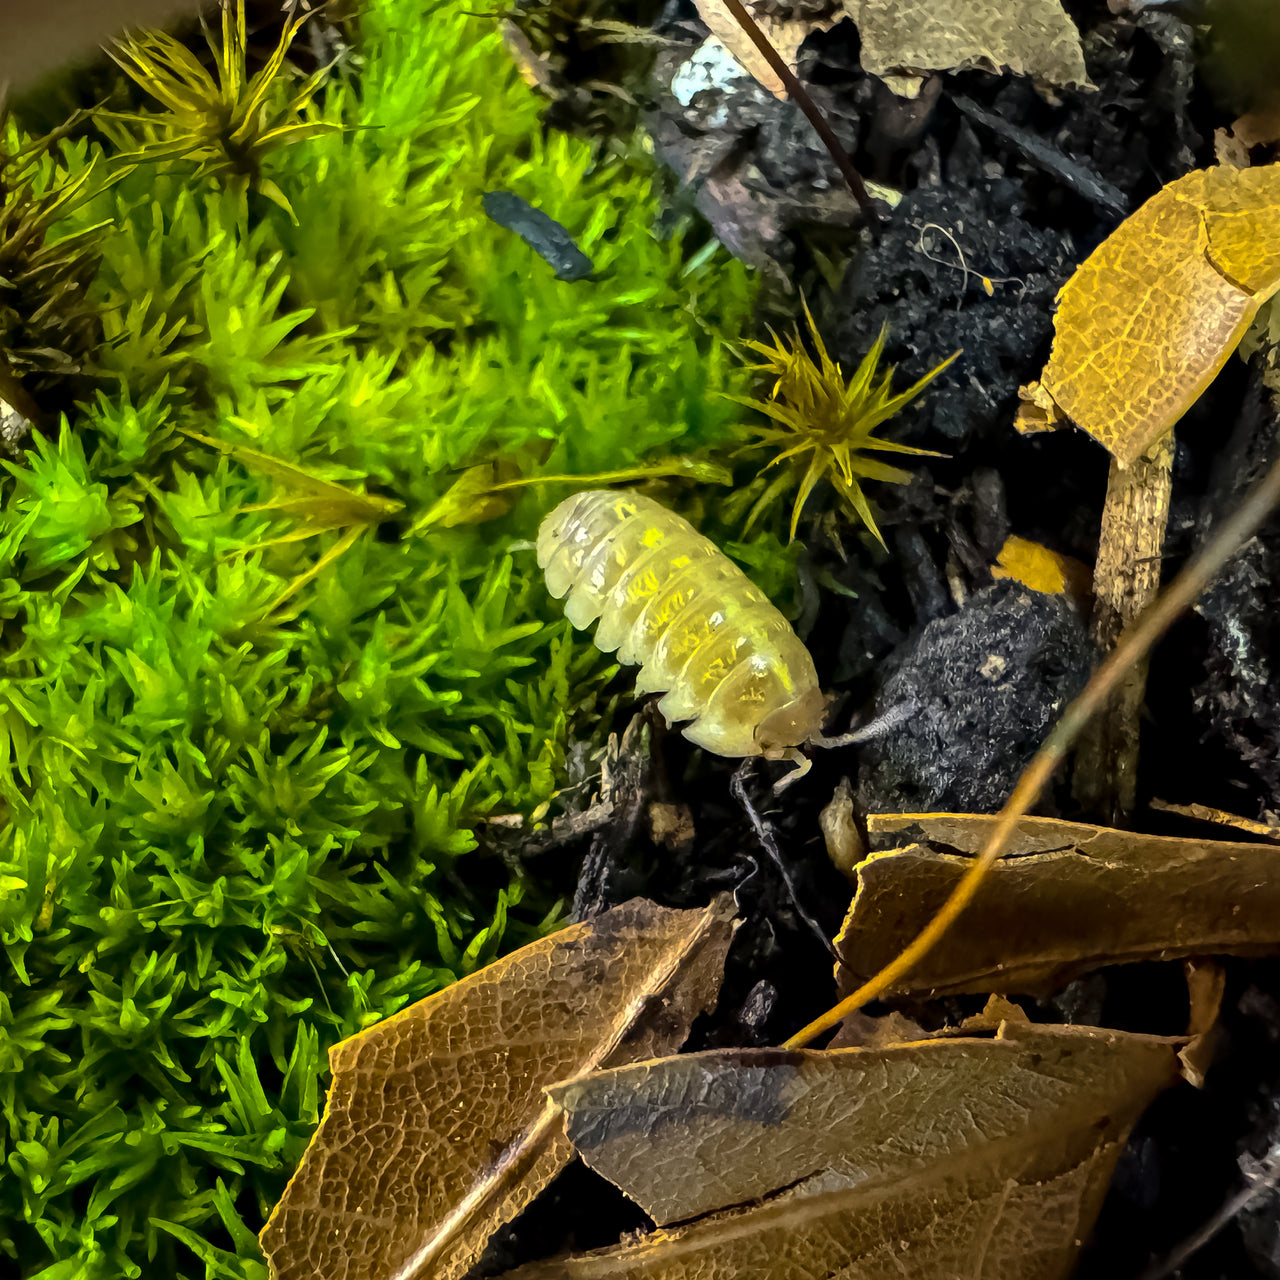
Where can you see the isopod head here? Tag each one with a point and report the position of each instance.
(794, 723)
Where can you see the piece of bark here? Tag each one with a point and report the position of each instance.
(1126, 579)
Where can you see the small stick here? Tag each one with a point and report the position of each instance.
(799, 95)
(1133, 647)
(1125, 581)
(1258, 1185)
(739, 788)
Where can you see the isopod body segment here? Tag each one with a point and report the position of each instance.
(701, 630)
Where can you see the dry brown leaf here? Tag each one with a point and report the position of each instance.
(1149, 318)
(1220, 817)
(997, 1220)
(688, 1135)
(786, 34)
(863, 1031)
(437, 1130)
(997, 1010)
(1030, 37)
(981, 1157)
(1065, 899)
(1040, 569)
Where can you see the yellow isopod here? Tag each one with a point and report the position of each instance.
(705, 635)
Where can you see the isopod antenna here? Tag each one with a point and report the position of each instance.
(878, 727)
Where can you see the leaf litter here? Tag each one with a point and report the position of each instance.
(470, 1141)
(436, 1130)
(786, 34)
(1066, 898)
(974, 1156)
(1150, 317)
(907, 38)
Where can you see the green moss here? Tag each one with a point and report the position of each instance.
(235, 835)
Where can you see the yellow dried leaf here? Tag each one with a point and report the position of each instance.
(974, 1156)
(1149, 318)
(1040, 569)
(1066, 898)
(437, 1131)
(786, 34)
(1030, 37)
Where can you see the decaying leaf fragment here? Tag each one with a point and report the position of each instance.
(1206, 983)
(1220, 817)
(1066, 898)
(786, 34)
(967, 1156)
(1150, 317)
(1040, 569)
(910, 37)
(437, 1131)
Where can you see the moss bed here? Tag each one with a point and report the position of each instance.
(236, 830)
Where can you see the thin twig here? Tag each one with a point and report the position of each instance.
(1258, 1185)
(800, 96)
(1134, 645)
(738, 787)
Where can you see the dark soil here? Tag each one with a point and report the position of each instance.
(1005, 183)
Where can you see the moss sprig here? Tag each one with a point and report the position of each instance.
(226, 123)
(826, 423)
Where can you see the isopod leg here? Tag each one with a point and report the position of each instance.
(796, 757)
